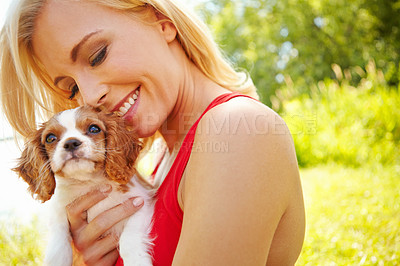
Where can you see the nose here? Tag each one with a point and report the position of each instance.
(92, 92)
(72, 144)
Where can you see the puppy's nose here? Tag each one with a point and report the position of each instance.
(72, 144)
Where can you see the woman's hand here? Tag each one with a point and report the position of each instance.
(87, 237)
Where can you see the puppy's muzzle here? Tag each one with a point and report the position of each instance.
(72, 144)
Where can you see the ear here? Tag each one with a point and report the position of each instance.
(122, 149)
(168, 29)
(34, 168)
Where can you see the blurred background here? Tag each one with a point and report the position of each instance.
(331, 70)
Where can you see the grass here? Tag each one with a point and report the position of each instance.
(353, 216)
(352, 219)
(346, 125)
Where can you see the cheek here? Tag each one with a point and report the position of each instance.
(148, 120)
(148, 126)
(79, 99)
(54, 158)
(99, 150)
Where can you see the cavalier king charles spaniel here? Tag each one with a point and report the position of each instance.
(71, 154)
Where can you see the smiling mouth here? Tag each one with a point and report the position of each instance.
(129, 102)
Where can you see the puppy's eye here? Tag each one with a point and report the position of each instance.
(94, 129)
(50, 138)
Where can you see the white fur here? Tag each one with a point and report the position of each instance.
(80, 178)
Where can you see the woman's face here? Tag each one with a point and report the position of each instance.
(108, 58)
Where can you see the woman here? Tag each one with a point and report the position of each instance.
(232, 195)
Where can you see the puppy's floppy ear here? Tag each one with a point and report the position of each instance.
(34, 168)
(122, 149)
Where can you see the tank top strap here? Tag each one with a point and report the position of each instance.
(184, 153)
(217, 101)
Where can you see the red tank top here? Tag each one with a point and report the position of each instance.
(168, 216)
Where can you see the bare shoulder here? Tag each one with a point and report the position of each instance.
(237, 184)
(243, 125)
(247, 137)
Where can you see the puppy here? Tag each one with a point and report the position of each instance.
(71, 154)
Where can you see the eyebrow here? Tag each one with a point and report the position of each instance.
(75, 52)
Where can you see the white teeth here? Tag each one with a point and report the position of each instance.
(123, 110)
(127, 105)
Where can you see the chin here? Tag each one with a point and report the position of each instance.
(75, 152)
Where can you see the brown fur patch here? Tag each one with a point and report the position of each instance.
(122, 148)
(51, 127)
(34, 167)
(123, 188)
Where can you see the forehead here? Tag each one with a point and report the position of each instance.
(68, 118)
(63, 23)
(60, 123)
(80, 118)
(73, 120)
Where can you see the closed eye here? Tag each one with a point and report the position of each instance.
(74, 90)
(98, 57)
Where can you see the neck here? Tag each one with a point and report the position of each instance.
(196, 92)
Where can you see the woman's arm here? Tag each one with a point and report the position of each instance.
(237, 186)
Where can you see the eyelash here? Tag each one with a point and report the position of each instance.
(74, 90)
(99, 57)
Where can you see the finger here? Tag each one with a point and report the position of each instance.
(76, 210)
(110, 258)
(104, 221)
(95, 253)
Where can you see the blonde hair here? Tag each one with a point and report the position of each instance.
(27, 91)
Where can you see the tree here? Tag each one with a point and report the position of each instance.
(302, 39)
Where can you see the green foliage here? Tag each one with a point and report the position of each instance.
(352, 216)
(302, 39)
(352, 219)
(344, 124)
(20, 243)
